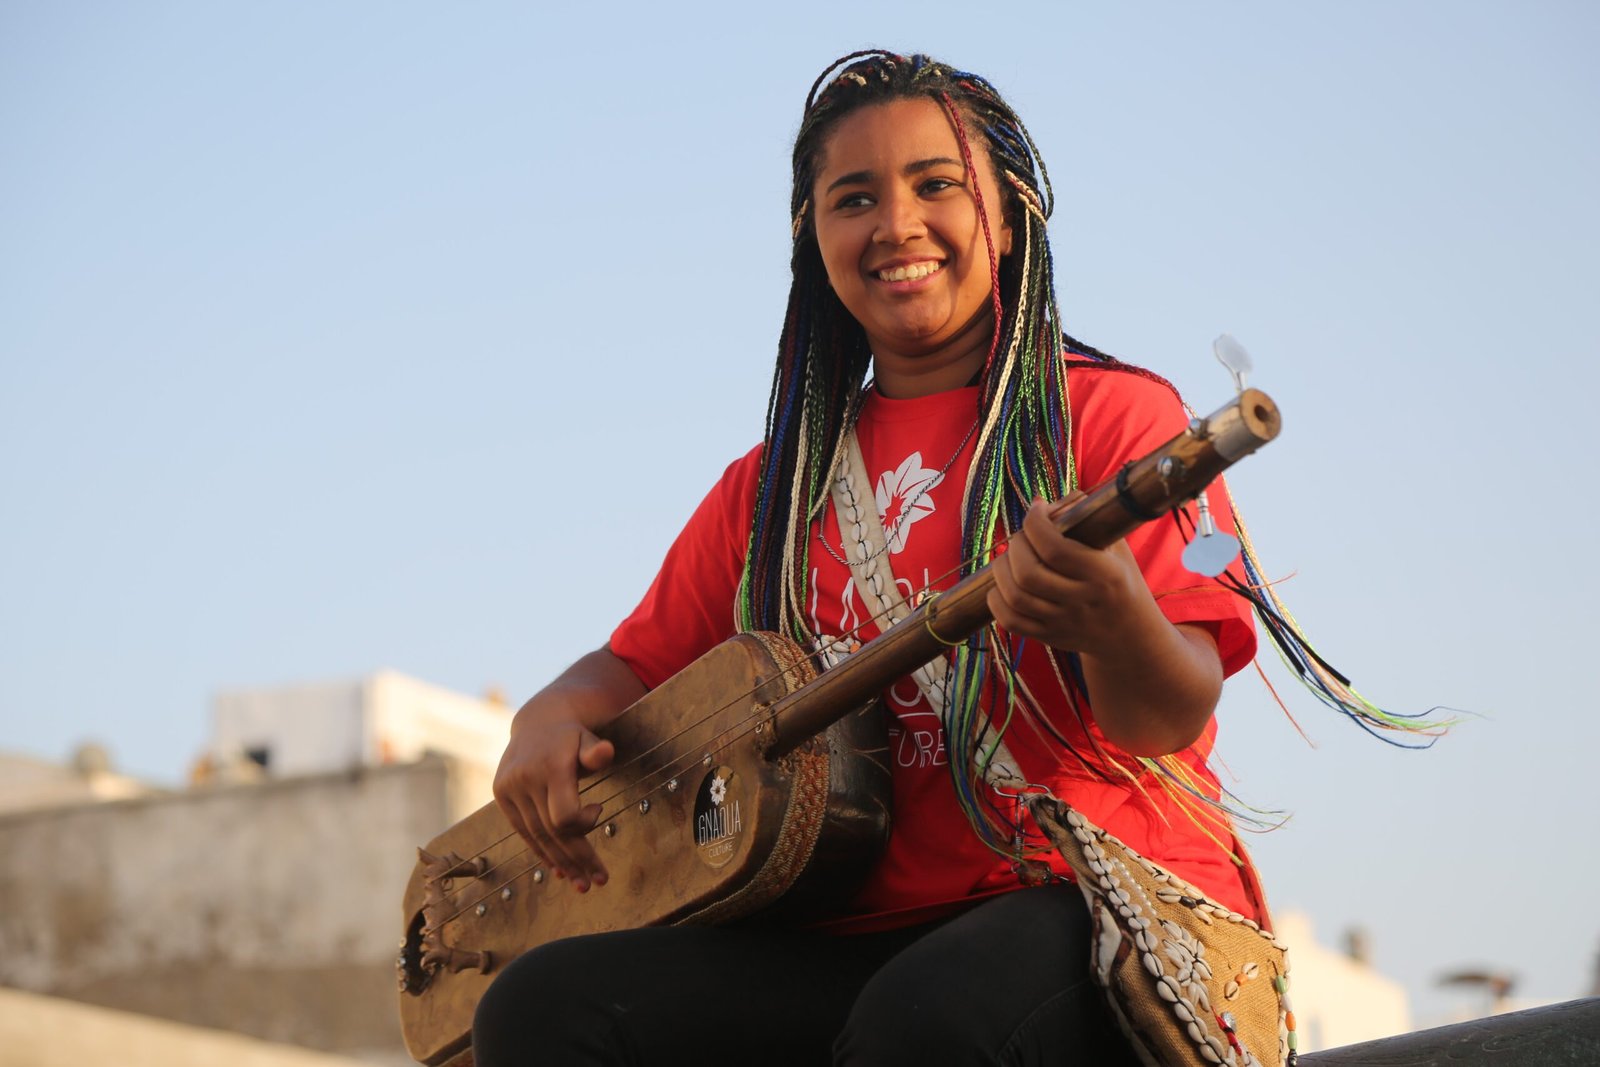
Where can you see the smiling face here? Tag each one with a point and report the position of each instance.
(897, 225)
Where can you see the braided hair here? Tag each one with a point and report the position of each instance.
(823, 356)
(1022, 450)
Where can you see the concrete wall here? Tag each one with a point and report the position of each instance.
(271, 909)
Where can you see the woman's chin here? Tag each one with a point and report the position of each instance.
(920, 340)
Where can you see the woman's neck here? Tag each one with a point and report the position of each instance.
(905, 376)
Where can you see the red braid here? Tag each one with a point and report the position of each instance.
(983, 217)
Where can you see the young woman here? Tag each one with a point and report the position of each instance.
(922, 320)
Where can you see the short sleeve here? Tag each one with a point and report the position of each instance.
(689, 607)
(1119, 416)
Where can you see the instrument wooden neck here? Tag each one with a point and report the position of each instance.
(1143, 490)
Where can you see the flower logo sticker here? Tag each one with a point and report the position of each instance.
(718, 822)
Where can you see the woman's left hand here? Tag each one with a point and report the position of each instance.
(1072, 597)
(1153, 684)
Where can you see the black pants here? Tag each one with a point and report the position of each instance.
(1006, 982)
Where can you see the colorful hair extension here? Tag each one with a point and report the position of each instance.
(1316, 674)
(1023, 445)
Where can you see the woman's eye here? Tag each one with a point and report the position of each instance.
(854, 200)
(939, 185)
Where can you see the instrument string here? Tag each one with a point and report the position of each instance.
(666, 773)
(735, 733)
(680, 764)
(814, 655)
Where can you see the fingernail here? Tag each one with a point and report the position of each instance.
(580, 885)
(601, 879)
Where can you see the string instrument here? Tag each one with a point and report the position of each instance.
(748, 782)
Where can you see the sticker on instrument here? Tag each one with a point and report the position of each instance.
(718, 821)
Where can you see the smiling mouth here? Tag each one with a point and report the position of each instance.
(909, 273)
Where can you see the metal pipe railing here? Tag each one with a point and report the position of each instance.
(1557, 1035)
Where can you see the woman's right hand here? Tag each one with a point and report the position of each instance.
(553, 746)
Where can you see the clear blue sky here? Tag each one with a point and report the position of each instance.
(342, 336)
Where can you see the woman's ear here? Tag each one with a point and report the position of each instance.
(1008, 209)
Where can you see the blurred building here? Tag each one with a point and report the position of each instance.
(1339, 999)
(322, 728)
(27, 783)
(265, 899)
(1486, 991)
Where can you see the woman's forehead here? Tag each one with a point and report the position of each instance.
(889, 133)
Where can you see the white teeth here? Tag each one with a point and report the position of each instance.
(909, 274)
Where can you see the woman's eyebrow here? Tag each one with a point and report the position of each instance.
(855, 177)
(933, 161)
(861, 177)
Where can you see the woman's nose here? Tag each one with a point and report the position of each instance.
(899, 219)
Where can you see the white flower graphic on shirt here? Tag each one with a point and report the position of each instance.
(903, 498)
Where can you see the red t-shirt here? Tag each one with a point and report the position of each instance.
(917, 453)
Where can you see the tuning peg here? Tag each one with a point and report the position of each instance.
(1210, 552)
(1231, 354)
